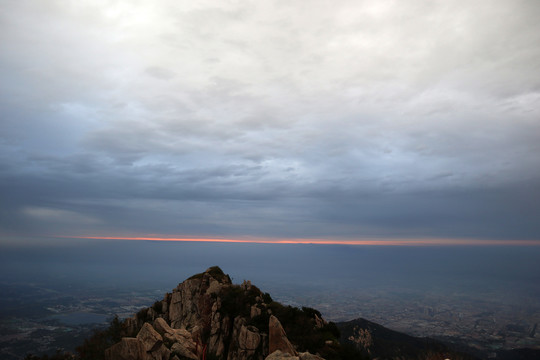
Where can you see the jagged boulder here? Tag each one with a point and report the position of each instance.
(162, 327)
(279, 355)
(191, 302)
(309, 356)
(161, 353)
(278, 338)
(245, 341)
(182, 351)
(126, 349)
(181, 339)
(150, 338)
(248, 338)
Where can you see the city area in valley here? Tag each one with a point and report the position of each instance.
(39, 319)
(457, 318)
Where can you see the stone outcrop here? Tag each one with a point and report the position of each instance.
(308, 356)
(150, 338)
(278, 355)
(246, 340)
(278, 339)
(182, 344)
(206, 316)
(126, 349)
(148, 345)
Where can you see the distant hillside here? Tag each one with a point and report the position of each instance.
(376, 341)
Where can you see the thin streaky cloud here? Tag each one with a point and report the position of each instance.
(370, 242)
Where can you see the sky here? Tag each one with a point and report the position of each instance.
(273, 120)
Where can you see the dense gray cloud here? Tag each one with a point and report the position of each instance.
(270, 119)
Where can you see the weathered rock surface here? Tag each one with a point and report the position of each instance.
(206, 316)
(161, 353)
(245, 341)
(181, 351)
(126, 349)
(278, 339)
(192, 301)
(308, 356)
(150, 338)
(181, 339)
(278, 355)
(255, 311)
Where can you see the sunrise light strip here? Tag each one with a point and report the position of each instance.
(377, 242)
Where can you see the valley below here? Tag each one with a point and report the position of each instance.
(41, 319)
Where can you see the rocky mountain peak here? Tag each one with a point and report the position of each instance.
(208, 317)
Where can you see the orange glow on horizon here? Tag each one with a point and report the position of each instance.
(376, 242)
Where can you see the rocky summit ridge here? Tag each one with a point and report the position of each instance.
(208, 317)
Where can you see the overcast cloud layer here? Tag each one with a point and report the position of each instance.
(329, 119)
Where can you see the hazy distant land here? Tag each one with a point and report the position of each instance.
(487, 298)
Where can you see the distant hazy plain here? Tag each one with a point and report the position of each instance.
(506, 274)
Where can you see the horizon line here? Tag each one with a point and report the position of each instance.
(302, 241)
